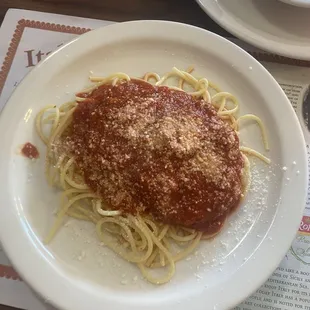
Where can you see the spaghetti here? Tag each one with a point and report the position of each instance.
(157, 238)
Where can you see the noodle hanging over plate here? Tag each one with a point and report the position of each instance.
(141, 237)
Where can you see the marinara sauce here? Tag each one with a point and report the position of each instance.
(157, 151)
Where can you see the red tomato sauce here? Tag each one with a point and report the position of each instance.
(157, 151)
(30, 151)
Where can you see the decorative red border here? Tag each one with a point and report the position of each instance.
(21, 25)
(8, 271)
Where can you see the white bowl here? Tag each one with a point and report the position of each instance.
(270, 25)
(301, 3)
(74, 272)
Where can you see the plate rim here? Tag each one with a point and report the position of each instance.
(256, 40)
(70, 285)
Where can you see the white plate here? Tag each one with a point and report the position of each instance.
(301, 3)
(271, 25)
(74, 272)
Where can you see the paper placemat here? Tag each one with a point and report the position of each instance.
(26, 37)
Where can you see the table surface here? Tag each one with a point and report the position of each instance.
(186, 11)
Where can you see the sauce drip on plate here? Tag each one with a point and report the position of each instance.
(30, 151)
